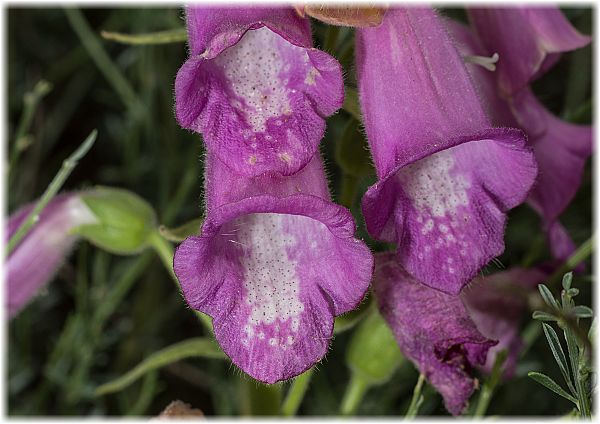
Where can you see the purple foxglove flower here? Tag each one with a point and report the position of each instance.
(528, 40)
(497, 303)
(446, 177)
(38, 256)
(256, 88)
(561, 149)
(275, 262)
(433, 330)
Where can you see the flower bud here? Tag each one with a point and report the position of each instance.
(35, 260)
(124, 224)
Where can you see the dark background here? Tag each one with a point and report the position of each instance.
(103, 313)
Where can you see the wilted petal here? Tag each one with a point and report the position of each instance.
(527, 40)
(433, 330)
(38, 256)
(446, 178)
(350, 15)
(275, 262)
(497, 303)
(256, 88)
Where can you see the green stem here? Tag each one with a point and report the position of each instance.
(490, 385)
(110, 71)
(583, 405)
(296, 393)
(580, 255)
(354, 393)
(260, 399)
(416, 400)
(178, 35)
(30, 101)
(185, 184)
(67, 167)
(118, 292)
(165, 251)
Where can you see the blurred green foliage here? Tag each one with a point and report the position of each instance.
(104, 314)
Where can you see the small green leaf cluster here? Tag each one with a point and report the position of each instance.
(576, 369)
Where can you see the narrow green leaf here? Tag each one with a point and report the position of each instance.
(198, 347)
(544, 316)
(559, 354)
(581, 311)
(547, 382)
(178, 35)
(573, 350)
(548, 297)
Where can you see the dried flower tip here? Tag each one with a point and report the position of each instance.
(354, 16)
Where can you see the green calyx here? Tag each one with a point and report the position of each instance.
(125, 220)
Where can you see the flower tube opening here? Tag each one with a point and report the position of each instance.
(257, 90)
(446, 214)
(273, 278)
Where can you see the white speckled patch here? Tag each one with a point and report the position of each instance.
(432, 187)
(253, 67)
(439, 194)
(258, 74)
(270, 281)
